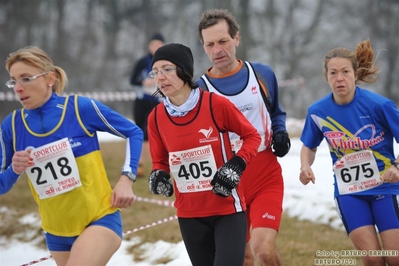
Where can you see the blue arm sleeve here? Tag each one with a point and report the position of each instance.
(277, 115)
(7, 176)
(99, 117)
(391, 113)
(311, 135)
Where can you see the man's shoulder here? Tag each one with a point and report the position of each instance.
(200, 82)
(261, 67)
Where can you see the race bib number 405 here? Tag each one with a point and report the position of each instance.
(357, 172)
(54, 169)
(193, 169)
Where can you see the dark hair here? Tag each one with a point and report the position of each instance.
(212, 17)
(362, 59)
(184, 76)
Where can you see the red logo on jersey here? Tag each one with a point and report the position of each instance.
(253, 90)
(175, 160)
(207, 132)
(339, 164)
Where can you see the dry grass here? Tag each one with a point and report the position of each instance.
(298, 241)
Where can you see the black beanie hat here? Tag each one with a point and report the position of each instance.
(157, 36)
(176, 53)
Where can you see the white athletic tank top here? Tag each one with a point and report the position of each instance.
(250, 102)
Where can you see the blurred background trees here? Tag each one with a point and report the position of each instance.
(97, 41)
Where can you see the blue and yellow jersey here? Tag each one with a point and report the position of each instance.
(369, 122)
(77, 119)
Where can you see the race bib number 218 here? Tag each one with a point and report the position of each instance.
(54, 170)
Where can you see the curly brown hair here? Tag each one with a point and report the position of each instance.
(362, 59)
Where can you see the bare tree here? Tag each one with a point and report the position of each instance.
(383, 22)
(97, 41)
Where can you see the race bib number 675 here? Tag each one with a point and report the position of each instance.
(357, 172)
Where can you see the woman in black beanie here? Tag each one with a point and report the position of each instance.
(188, 137)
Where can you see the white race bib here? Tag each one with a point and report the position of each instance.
(357, 172)
(54, 169)
(193, 169)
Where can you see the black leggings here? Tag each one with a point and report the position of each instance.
(215, 240)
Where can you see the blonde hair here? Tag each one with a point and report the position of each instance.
(362, 59)
(38, 58)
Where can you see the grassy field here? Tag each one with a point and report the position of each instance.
(298, 241)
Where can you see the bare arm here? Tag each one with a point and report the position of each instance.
(392, 174)
(307, 158)
(122, 194)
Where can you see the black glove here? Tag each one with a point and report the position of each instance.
(228, 176)
(160, 183)
(281, 143)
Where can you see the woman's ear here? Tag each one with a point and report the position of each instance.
(51, 78)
